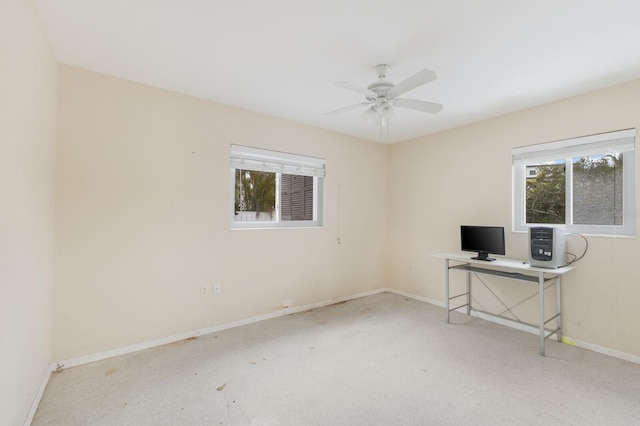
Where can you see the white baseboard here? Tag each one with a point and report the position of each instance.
(38, 397)
(74, 362)
(415, 297)
(303, 308)
(530, 329)
(602, 350)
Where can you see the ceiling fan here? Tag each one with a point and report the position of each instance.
(382, 96)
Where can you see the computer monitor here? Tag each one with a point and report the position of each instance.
(484, 240)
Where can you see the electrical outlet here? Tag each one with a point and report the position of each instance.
(217, 289)
(204, 290)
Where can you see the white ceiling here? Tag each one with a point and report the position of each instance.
(282, 57)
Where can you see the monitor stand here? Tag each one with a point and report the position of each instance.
(483, 256)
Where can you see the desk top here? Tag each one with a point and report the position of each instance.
(519, 265)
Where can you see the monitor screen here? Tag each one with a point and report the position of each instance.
(483, 239)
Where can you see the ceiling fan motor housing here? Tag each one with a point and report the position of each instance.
(381, 88)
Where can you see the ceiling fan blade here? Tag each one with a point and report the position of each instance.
(368, 93)
(424, 106)
(418, 79)
(347, 108)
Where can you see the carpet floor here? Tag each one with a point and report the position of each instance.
(379, 360)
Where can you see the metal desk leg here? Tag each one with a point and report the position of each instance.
(446, 288)
(559, 307)
(468, 293)
(541, 309)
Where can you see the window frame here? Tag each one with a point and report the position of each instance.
(257, 159)
(618, 141)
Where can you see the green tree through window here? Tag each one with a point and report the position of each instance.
(255, 192)
(546, 201)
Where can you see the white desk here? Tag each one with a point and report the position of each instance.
(511, 269)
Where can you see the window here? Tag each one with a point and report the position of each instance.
(586, 183)
(275, 189)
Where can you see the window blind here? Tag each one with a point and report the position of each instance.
(619, 141)
(262, 160)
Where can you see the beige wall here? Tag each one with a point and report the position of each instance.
(143, 217)
(27, 162)
(463, 176)
(142, 192)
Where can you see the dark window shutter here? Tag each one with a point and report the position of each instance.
(296, 197)
(285, 197)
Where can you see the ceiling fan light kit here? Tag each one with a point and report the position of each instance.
(382, 96)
